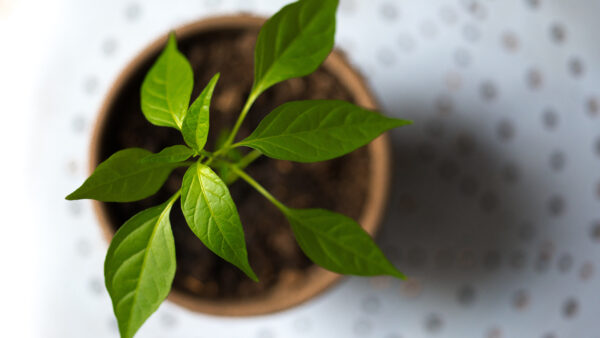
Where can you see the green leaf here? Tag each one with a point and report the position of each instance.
(213, 217)
(172, 154)
(140, 266)
(294, 42)
(195, 124)
(317, 130)
(124, 178)
(167, 88)
(337, 243)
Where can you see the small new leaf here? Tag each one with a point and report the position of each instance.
(140, 266)
(167, 88)
(294, 42)
(211, 214)
(123, 177)
(317, 130)
(337, 243)
(172, 154)
(195, 124)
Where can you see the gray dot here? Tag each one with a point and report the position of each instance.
(534, 4)
(434, 323)
(556, 206)
(393, 335)
(488, 91)
(448, 15)
(510, 173)
(505, 130)
(521, 300)
(90, 85)
(109, 46)
(576, 67)
(592, 107)
(443, 104)
(265, 333)
(557, 160)
(363, 327)
(469, 185)
(534, 79)
(466, 295)
(406, 43)
(492, 260)
(386, 57)
(549, 335)
(549, 119)
(389, 11)
(471, 33)
(570, 308)
(347, 6)
(542, 262)
(75, 208)
(448, 169)
(586, 271)
(462, 57)
(494, 332)
(597, 146)
(168, 320)
(477, 10)
(371, 304)
(595, 232)
(517, 260)
(302, 325)
(565, 262)
(133, 11)
(96, 286)
(558, 34)
(488, 201)
(510, 41)
(78, 124)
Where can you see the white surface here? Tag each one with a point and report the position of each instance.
(495, 198)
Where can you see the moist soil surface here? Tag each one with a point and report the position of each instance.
(339, 185)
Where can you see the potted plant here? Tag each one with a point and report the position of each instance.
(140, 265)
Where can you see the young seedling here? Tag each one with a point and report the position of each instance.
(140, 263)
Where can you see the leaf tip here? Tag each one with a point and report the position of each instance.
(172, 42)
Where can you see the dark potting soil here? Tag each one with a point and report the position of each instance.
(339, 185)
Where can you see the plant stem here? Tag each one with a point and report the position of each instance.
(251, 98)
(258, 187)
(243, 163)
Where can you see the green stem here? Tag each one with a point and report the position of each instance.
(243, 163)
(251, 98)
(258, 188)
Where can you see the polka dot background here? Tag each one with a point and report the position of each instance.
(495, 207)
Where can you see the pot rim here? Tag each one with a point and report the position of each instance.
(317, 279)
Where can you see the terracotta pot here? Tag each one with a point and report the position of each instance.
(317, 279)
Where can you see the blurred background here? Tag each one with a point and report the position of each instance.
(494, 210)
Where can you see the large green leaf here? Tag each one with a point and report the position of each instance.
(317, 130)
(140, 266)
(213, 217)
(123, 177)
(294, 42)
(167, 88)
(195, 124)
(338, 243)
(172, 154)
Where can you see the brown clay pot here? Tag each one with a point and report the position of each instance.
(317, 279)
